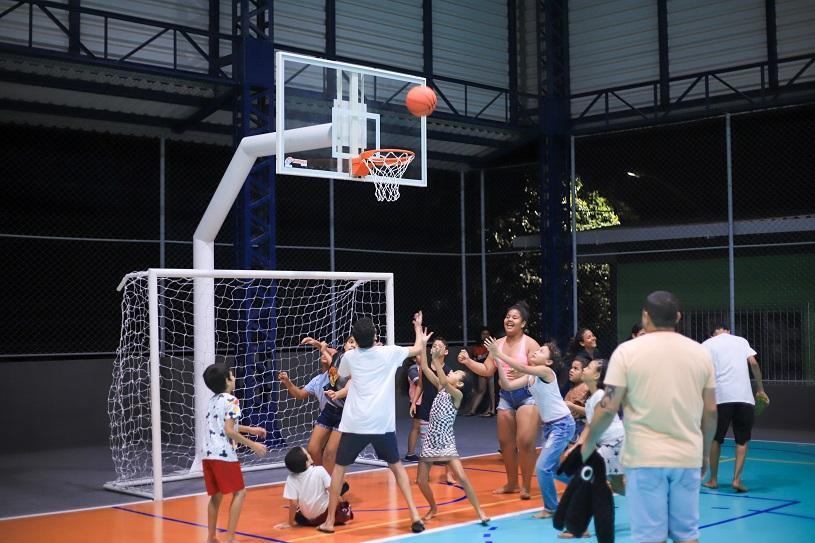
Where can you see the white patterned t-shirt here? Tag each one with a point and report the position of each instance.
(217, 445)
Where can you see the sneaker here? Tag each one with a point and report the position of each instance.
(411, 458)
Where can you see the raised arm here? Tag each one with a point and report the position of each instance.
(429, 373)
(295, 391)
(485, 369)
(544, 372)
(603, 415)
(514, 384)
(420, 343)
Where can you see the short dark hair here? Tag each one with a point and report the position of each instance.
(215, 376)
(364, 332)
(719, 326)
(636, 329)
(439, 338)
(662, 307)
(296, 460)
(554, 355)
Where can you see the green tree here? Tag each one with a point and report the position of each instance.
(517, 274)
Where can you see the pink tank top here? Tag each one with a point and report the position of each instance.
(519, 355)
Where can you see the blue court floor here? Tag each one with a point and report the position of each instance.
(779, 506)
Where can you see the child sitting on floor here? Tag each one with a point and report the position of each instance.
(307, 491)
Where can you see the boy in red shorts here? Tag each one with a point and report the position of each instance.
(222, 470)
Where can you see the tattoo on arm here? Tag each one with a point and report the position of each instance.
(608, 397)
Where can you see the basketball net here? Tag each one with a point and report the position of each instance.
(386, 166)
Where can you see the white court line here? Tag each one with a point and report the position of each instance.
(453, 526)
(125, 504)
(775, 441)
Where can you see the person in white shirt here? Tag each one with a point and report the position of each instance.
(610, 444)
(369, 414)
(732, 355)
(307, 491)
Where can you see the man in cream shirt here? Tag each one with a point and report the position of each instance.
(666, 385)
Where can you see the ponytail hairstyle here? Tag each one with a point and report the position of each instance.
(602, 364)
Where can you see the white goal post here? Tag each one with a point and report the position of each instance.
(257, 320)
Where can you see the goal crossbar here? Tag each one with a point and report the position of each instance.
(169, 314)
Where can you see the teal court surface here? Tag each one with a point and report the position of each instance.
(778, 507)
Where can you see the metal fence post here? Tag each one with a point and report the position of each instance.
(730, 256)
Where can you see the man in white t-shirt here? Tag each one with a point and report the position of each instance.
(369, 415)
(734, 398)
(666, 385)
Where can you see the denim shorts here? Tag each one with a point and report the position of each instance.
(663, 503)
(513, 399)
(329, 417)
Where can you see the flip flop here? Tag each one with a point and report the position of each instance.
(324, 530)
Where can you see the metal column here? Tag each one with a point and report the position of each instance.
(553, 114)
(255, 234)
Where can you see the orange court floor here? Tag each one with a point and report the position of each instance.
(379, 511)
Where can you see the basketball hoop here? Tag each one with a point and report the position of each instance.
(386, 166)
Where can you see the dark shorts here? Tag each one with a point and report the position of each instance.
(740, 415)
(351, 445)
(342, 514)
(330, 417)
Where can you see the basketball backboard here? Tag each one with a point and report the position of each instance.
(361, 109)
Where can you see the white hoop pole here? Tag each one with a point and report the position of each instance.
(155, 385)
(203, 250)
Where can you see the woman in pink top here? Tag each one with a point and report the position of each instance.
(518, 422)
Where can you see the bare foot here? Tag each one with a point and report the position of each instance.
(738, 487)
(506, 490)
(213, 539)
(525, 494)
(543, 514)
(711, 484)
(430, 514)
(325, 528)
(451, 480)
(568, 535)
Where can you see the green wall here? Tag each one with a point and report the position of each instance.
(703, 284)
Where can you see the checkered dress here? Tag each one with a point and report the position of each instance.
(440, 441)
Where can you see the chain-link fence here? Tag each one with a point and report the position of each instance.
(720, 212)
(93, 207)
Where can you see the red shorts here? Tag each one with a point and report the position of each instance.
(222, 477)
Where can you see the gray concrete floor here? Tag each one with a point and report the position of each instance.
(64, 479)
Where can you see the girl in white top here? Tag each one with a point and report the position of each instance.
(541, 381)
(610, 444)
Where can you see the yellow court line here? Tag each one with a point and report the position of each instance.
(345, 530)
(771, 460)
(801, 462)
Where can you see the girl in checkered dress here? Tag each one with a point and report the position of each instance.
(439, 444)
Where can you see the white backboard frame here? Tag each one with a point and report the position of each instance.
(290, 167)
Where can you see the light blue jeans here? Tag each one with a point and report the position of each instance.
(556, 436)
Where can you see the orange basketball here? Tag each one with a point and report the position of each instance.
(421, 101)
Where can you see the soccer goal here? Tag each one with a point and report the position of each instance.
(256, 320)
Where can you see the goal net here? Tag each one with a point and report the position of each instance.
(251, 320)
